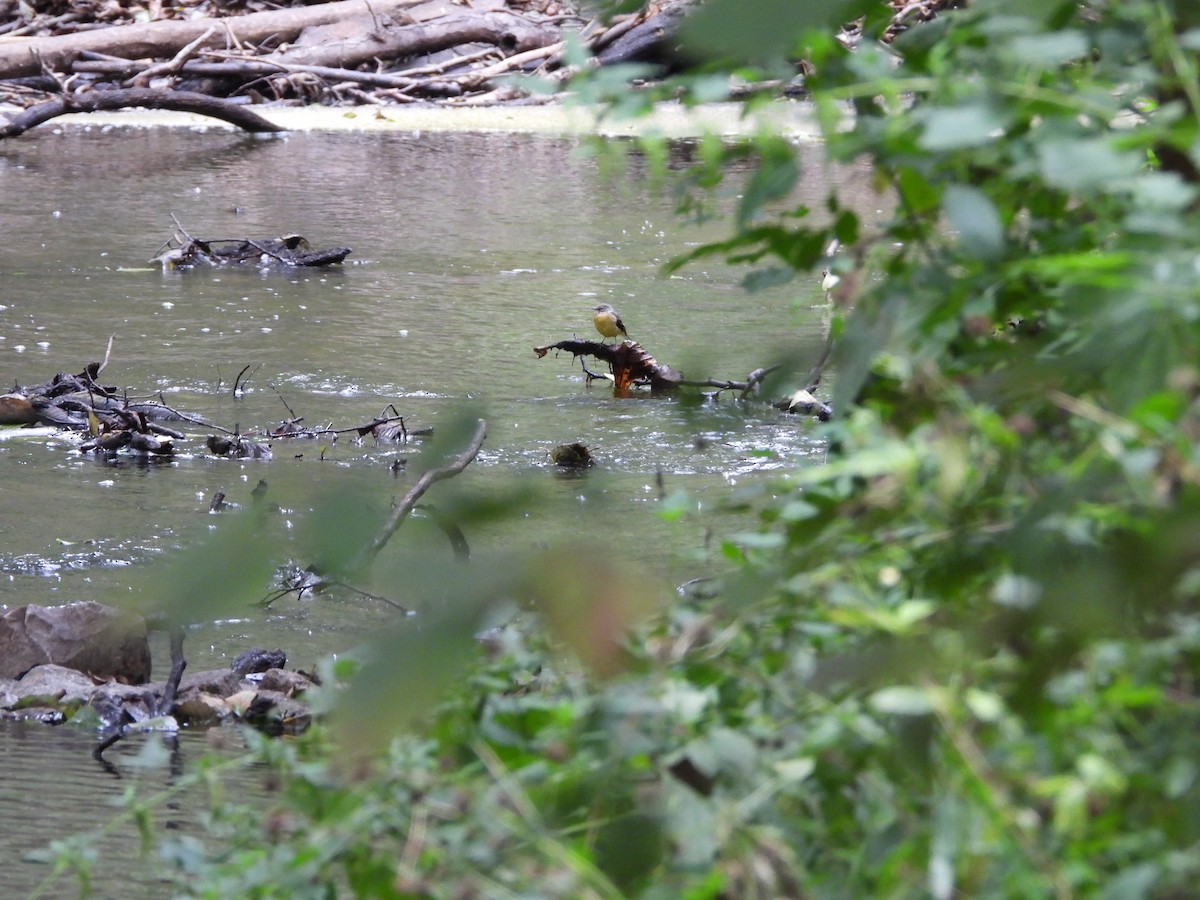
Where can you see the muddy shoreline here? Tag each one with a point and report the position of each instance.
(670, 120)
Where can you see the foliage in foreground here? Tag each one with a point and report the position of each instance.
(960, 659)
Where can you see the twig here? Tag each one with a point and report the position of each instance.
(752, 380)
(291, 412)
(107, 353)
(193, 419)
(440, 68)
(172, 66)
(237, 381)
(400, 513)
(513, 62)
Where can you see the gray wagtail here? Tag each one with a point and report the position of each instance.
(607, 322)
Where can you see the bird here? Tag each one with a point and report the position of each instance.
(828, 280)
(607, 321)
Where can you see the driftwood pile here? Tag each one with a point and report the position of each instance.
(114, 423)
(216, 57)
(291, 251)
(347, 52)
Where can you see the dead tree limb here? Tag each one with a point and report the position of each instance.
(427, 480)
(743, 387)
(630, 363)
(146, 98)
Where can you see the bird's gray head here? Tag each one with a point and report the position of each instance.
(602, 308)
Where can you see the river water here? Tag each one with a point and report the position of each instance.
(468, 250)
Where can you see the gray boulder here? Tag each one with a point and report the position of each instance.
(89, 637)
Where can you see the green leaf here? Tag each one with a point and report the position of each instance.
(902, 701)
(772, 276)
(1050, 49)
(972, 214)
(1083, 164)
(918, 194)
(222, 574)
(407, 671)
(768, 32)
(773, 180)
(956, 127)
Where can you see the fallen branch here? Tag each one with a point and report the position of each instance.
(96, 101)
(427, 480)
(744, 387)
(629, 361)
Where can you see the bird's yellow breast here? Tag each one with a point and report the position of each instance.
(606, 324)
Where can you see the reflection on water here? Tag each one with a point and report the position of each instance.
(468, 250)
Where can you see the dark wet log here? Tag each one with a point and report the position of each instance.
(164, 39)
(653, 41)
(630, 363)
(181, 101)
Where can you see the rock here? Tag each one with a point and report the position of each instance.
(88, 637)
(259, 660)
(53, 694)
(284, 682)
(53, 686)
(218, 682)
(201, 709)
(572, 456)
(275, 713)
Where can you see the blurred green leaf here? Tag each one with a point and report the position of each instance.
(768, 31)
(221, 574)
(1050, 49)
(973, 216)
(902, 701)
(1081, 164)
(957, 127)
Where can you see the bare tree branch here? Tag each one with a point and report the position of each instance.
(405, 506)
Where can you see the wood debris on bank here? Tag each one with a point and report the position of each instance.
(220, 59)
